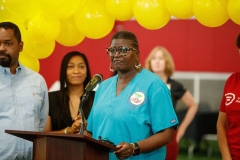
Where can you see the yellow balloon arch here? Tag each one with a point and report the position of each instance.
(43, 22)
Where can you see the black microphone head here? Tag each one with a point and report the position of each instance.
(97, 78)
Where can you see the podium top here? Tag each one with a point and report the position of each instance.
(30, 136)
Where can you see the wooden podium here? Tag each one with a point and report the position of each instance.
(55, 146)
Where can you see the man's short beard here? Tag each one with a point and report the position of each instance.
(4, 62)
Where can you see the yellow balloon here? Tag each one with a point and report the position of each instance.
(234, 10)
(23, 9)
(30, 62)
(211, 13)
(39, 51)
(93, 20)
(69, 33)
(4, 13)
(151, 14)
(182, 9)
(60, 8)
(43, 28)
(120, 9)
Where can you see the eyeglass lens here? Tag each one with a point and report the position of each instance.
(123, 51)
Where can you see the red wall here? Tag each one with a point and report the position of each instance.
(193, 46)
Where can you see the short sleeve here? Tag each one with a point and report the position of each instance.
(162, 113)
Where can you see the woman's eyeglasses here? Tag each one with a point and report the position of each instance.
(122, 51)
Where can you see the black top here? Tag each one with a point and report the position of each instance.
(61, 120)
(177, 91)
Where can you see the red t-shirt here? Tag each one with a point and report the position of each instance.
(231, 106)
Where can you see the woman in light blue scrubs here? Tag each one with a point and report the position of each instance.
(133, 109)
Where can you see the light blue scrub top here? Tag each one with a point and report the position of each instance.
(142, 109)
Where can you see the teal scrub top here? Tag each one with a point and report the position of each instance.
(142, 109)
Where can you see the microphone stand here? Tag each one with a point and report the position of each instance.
(83, 99)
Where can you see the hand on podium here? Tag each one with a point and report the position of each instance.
(77, 124)
(124, 150)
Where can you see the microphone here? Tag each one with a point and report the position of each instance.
(97, 78)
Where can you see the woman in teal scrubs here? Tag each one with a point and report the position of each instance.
(132, 109)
